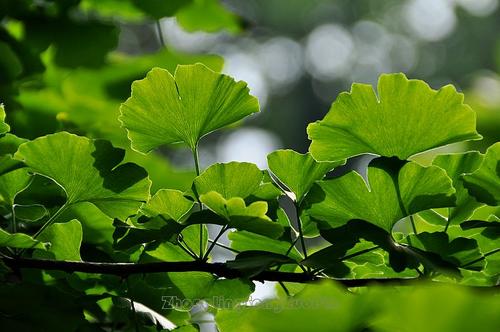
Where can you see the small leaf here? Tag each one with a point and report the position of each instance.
(232, 179)
(392, 193)
(251, 263)
(244, 241)
(455, 165)
(65, 240)
(166, 109)
(4, 128)
(33, 212)
(406, 118)
(11, 184)
(484, 183)
(19, 240)
(297, 171)
(169, 203)
(238, 215)
(88, 171)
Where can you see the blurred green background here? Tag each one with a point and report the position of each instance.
(68, 64)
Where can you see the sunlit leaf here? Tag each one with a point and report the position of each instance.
(88, 171)
(407, 117)
(4, 128)
(455, 165)
(19, 240)
(234, 179)
(238, 215)
(392, 192)
(166, 109)
(484, 183)
(171, 204)
(298, 171)
(65, 240)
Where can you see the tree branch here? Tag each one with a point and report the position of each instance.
(218, 269)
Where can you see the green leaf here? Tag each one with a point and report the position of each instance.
(32, 212)
(484, 183)
(391, 194)
(208, 15)
(232, 179)
(455, 165)
(251, 263)
(238, 215)
(88, 171)
(4, 128)
(19, 240)
(406, 118)
(169, 203)
(166, 109)
(11, 184)
(297, 171)
(65, 240)
(244, 241)
(227, 293)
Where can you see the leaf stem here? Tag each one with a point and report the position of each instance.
(448, 221)
(301, 234)
(51, 220)
(160, 33)
(287, 292)
(197, 168)
(494, 251)
(412, 221)
(223, 229)
(225, 247)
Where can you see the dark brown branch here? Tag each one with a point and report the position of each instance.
(125, 269)
(218, 269)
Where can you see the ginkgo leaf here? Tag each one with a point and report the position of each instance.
(11, 184)
(297, 171)
(238, 215)
(407, 117)
(31, 212)
(65, 240)
(4, 127)
(455, 166)
(484, 183)
(234, 179)
(169, 203)
(88, 171)
(392, 193)
(166, 109)
(19, 240)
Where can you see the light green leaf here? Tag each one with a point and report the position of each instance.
(484, 183)
(169, 203)
(4, 128)
(392, 192)
(298, 171)
(11, 184)
(455, 165)
(208, 15)
(244, 241)
(238, 215)
(19, 240)
(65, 240)
(166, 109)
(88, 171)
(406, 118)
(232, 179)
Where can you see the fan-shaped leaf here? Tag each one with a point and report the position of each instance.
(169, 203)
(251, 218)
(406, 118)
(65, 240)
(298, 171)
(88, 171)
(391, 194)
(4, 128)
(19, 240)
(484, 183)
(233, 179)
(195, 101)
(455, 165)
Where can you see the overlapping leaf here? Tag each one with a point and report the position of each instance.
(88, 171)
(484, 183)
(4, 128)
(455, 165)
(406, 118)
(166, 109)
(298, 171)
(390, 194)
(171, 204)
